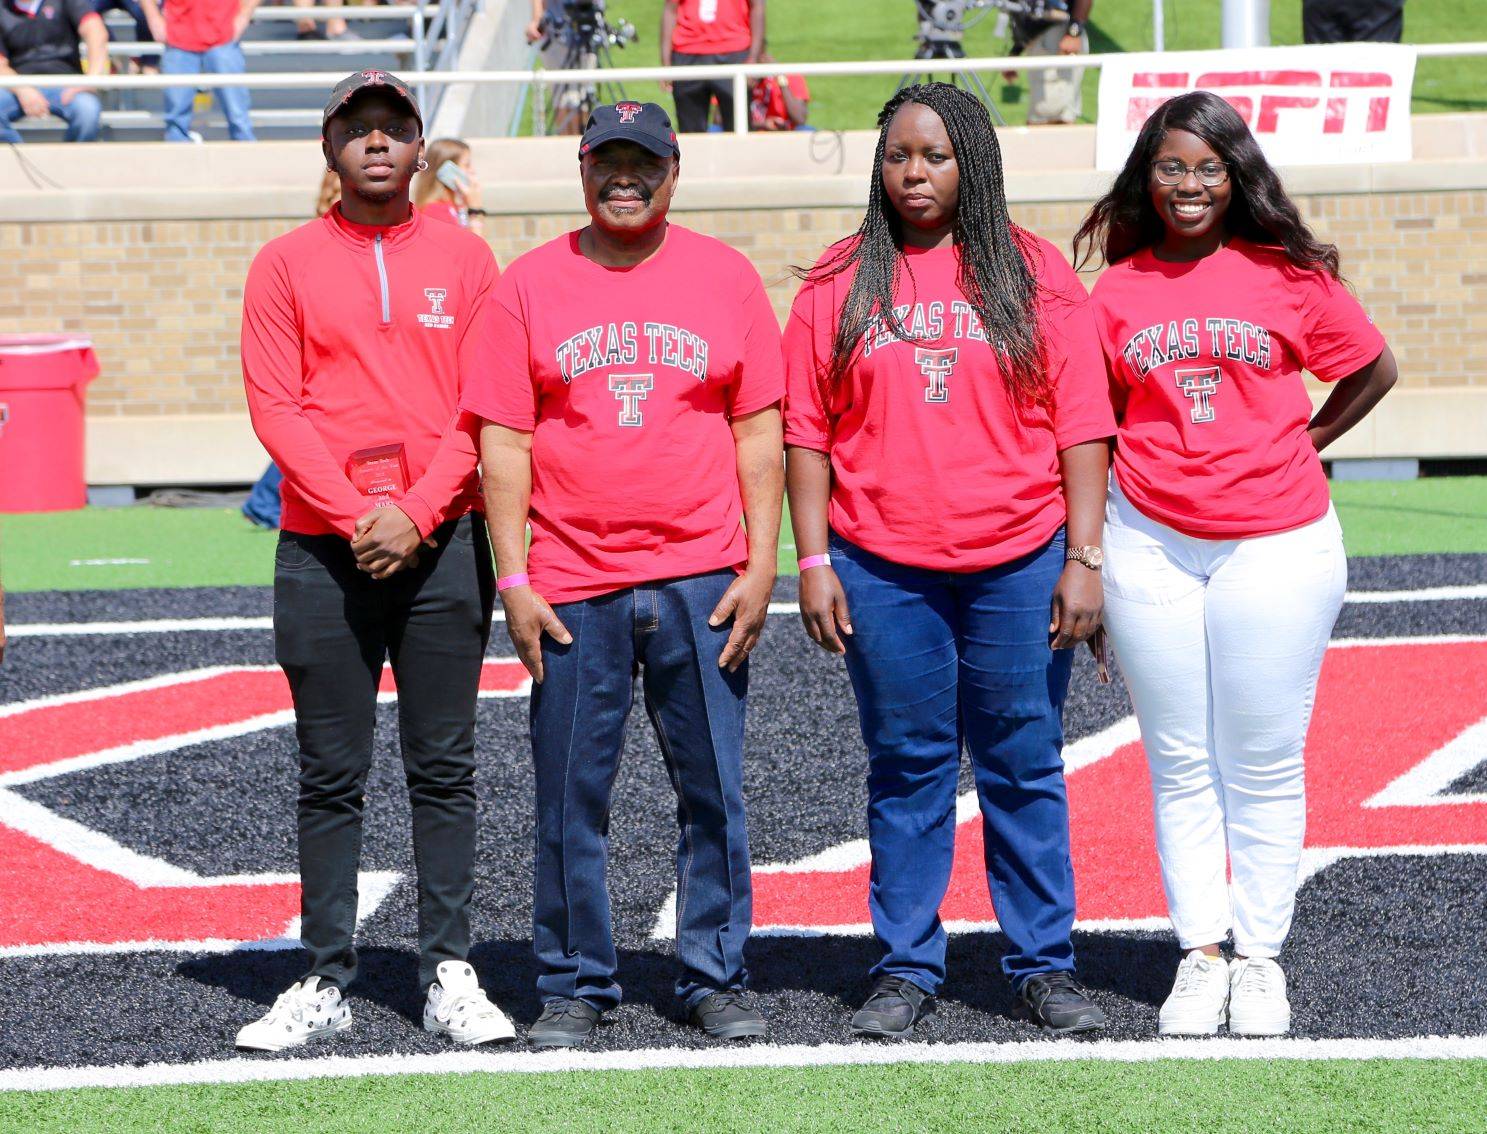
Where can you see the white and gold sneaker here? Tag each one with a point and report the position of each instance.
(1199, 998)
(1257, 998)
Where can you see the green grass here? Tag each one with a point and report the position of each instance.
(181, 547)
(215, 547)
(1413, 517)
(1090, 1097)
(825, 30)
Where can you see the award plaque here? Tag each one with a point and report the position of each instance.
(379, 472)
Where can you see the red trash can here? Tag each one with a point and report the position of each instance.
(42, 378)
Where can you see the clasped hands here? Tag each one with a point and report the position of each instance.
(387, 541)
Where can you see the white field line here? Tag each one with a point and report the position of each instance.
(207, 625)
(373, 886)
(268, 1070)
(1425, 784)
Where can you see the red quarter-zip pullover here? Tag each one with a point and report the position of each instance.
(355, 336)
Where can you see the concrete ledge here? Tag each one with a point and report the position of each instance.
(230, 181)
(187, 449)
(1441, 422)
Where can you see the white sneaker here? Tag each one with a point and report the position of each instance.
(457, 1008)
(1199, 997)
(303, 1013)
(1257, 998)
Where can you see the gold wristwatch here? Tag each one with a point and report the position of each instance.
(1091, 557)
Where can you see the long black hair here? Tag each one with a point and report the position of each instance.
(1124, 220)
(994, 274)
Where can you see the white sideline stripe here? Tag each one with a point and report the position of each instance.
(1425, 594)
(182, 625)
(266, 1070)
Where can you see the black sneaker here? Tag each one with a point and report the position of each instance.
(563, 1023)
(892, 1009)
(1058, 1002)
(726, 1015)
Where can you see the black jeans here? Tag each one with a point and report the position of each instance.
(692, 98)
(1352, 21)
(333, 628)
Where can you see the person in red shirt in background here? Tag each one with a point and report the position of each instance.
(358, 335)
(933, 478)
(201, 37)
(450, 195)
(696, 33)
(630, 386)
(1226, 568)
(781, 102)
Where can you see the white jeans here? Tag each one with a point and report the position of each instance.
(1221, 643)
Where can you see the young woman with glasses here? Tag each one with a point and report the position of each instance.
(1225, 568)
(948, 424)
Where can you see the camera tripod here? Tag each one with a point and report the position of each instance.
(942, 28)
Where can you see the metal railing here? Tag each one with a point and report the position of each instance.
(739, 74)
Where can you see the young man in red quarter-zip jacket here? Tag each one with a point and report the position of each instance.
(357, 340)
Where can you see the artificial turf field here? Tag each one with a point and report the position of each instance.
(147, 853)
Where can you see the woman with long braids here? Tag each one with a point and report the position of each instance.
(1226, 568)
(947, 416)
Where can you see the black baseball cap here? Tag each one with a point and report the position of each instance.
(358, 81)
(643, 123)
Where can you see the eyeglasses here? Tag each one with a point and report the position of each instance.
(1209, 173)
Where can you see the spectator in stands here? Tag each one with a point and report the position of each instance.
(201, 37)
(448, 189)
(1352, 21)
(697, 33)
(146, 64)
(40, 37)
(779, 102)
(327, 29)
(1056, 28)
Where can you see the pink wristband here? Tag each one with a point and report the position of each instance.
(512, 581)
(813, 561)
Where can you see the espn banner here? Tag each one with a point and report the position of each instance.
(1325, 105)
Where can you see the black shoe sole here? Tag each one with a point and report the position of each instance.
(735, 1031)
(540, 1043)
(1021, 1013)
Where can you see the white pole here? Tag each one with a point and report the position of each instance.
(1246, 23)
(1159, 25)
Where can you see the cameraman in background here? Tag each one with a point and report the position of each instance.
(1053, 27)
(544, 26)
(697, 33)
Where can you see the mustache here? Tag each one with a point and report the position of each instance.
(641, 191)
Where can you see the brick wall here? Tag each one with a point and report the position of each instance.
(161, 299)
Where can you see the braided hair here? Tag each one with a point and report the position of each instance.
(994, 272)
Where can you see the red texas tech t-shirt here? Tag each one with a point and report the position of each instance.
(1205, 366)
(627, 380)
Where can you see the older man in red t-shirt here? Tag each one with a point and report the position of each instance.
(630, 383)
(700, 32)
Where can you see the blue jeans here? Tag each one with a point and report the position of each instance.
(578, 725)
(224, 59)
(82, 114)
(941, 660)
(142, 33)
